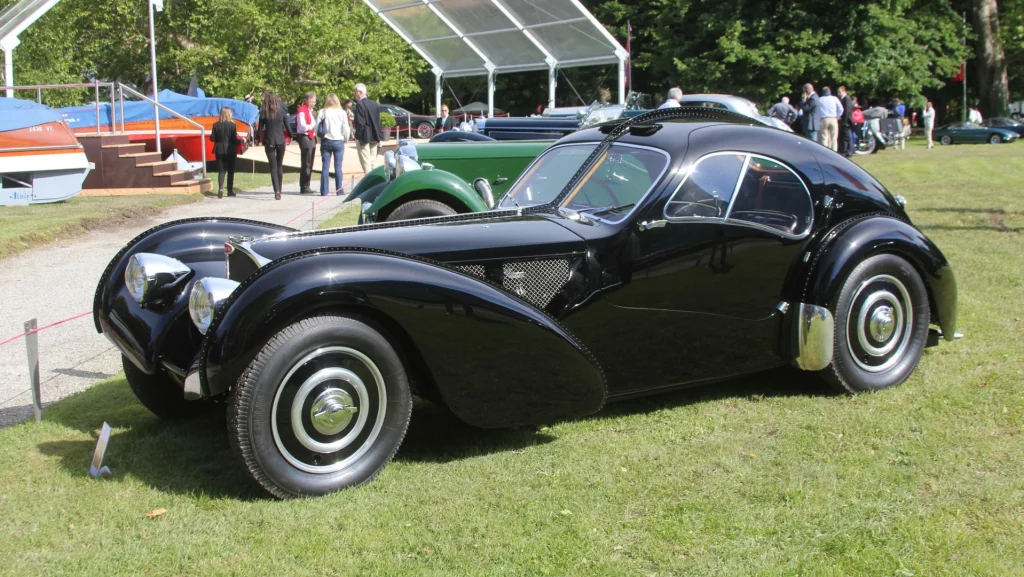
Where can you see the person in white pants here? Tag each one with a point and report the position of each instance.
(929, 122)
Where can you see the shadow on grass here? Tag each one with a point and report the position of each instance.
(194, 457)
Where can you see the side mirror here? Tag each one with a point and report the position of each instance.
(483, 187)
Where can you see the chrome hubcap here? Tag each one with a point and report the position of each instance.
(332, 411)
(879, 324)
(328, 409)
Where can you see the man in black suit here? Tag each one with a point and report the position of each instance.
(368, 131)
(445, 123)
(845, 123)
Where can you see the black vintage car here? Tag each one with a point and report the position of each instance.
(676, 248)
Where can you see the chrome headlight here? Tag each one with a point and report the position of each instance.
(404, 164)
(206, 294)
(390, 164)
(147, 272)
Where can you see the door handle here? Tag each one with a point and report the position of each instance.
(652, 224)
(500, 180)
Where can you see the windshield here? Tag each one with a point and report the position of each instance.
(616, 181)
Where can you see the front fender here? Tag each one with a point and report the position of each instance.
(852, 242)
(438, 180)
(495, 360)
(372, 179)
(140, 333)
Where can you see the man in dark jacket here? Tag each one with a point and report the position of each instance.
(445, 123)
(845, 123)
(810, 116)
(783, 111)
(367, 129)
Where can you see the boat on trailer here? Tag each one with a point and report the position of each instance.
(41, 159)
(175, 133)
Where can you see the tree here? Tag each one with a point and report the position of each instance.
(234, 46)
(991, 76)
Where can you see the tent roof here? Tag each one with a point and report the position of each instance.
(476, 37)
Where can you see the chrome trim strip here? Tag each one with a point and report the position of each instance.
(815, 337)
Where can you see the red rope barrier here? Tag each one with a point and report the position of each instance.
(307, 210)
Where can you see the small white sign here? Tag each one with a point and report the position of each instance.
(96, 469)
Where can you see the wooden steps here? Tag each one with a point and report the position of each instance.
(126, 168)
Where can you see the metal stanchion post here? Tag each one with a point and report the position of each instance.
(32, 344)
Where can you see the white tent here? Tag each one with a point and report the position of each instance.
(13, 21)
(488, 37)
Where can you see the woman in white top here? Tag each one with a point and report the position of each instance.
(333, 142)
(929, 122)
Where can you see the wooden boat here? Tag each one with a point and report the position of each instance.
(41, 160)
(175, 133)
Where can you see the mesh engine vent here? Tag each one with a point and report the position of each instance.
(537, 281)
(476, 270)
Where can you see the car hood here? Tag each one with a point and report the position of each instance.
(459, 238)
(481, 150)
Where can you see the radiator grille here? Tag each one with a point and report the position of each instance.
(536, 281)
(476, 270)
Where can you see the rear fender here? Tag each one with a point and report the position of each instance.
(140, 332)
(851, 242)
(495, 360)
(454, 190)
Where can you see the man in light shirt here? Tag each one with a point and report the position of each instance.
(831, 109)
(306, 136)
(675, 94)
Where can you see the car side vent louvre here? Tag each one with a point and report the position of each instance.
(536, 281)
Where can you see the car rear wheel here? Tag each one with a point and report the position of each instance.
(881, 326)
(995, 139)
(946, 140)
(324, 406)
(161, 395)
(424, 130)
(423, 208)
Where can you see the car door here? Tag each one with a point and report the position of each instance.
(710, 265)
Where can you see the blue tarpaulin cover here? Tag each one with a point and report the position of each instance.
(142, 111)
(16, 114)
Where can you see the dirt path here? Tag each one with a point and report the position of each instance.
(57, 282)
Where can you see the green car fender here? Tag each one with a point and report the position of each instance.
(433, 184)
(371, 180)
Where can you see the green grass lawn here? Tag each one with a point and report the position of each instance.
(769, 475)
(24, 227)
(344, 217)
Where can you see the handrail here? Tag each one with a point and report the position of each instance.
(96, 102)
(202, 129)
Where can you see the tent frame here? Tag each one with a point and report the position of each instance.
(14, 20)
(618, 55)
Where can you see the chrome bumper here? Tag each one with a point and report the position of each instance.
(815, 334)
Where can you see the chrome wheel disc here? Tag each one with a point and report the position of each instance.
(328, 410)
(879, 323)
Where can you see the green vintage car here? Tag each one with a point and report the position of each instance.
(423, 180)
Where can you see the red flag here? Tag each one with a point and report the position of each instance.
(959, 76)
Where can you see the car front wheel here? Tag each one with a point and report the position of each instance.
(424, 130)
(994, 139)
(324, 406)
(881, 325)
(946, 140)
(423, 208)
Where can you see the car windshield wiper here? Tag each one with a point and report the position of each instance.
(603, 211)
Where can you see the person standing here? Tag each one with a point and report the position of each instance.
(368, 131)
(273, 127)
(831, 110)
(307, 141)
(810, 113)
(224, 137)
(338, 132)
(444, 123)
(928, 116)
(846, 146)
(675, 94)
(783, 111)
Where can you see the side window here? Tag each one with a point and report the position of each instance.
(771, 195)
(707, 189)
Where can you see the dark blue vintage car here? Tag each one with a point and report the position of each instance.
(677, 248)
